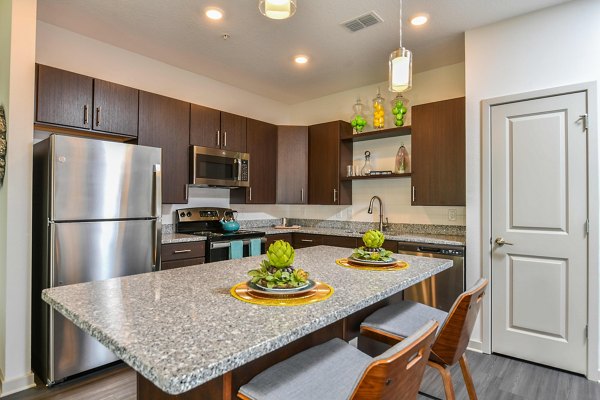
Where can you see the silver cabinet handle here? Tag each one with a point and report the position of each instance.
(501, 242)
(85, 114)
(335, 195)
(302, 195)
(413, 194)
(218, 138)
(225, 139)
(182, 251)
(98, 109)
(306, 240)
(250, 193)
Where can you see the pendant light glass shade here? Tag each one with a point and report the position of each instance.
(277, 9)
(400, 66)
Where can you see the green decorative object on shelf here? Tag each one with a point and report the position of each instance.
(399, 109)
(358, 121)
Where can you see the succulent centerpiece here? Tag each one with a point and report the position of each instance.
(372, 250)
(277, 271)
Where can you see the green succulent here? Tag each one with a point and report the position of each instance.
(373, 239)
(280, 254)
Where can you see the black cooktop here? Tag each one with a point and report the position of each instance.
(219, 236)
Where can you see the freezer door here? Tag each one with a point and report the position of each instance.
(88, 251)
(95, 179)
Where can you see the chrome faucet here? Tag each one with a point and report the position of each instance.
(370, 211)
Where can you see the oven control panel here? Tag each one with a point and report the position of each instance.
(199, 214)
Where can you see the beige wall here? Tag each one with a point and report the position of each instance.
(17, 54)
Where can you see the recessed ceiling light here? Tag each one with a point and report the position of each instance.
(214, 13)
(418, 20)
(301, 59)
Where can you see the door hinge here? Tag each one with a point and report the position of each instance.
(584, 117)
(587, 226)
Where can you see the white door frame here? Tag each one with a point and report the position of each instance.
(593, 362)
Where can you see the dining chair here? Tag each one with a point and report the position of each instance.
(336, 370)
(393, 323)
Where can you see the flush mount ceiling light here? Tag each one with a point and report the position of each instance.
(214, 13)
(277, 9)
(301, 59)
(419, 20)
(400, 66)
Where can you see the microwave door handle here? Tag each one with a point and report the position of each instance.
(239, 169)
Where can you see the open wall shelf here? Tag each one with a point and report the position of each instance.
(356, 178)
(379, 134)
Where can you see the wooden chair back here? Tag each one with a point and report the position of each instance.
(397, 373)
(453, 339)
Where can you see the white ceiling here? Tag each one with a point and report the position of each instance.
(258, 55)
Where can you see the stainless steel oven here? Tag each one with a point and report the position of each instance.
(215, 167)
(218, 250)
(442, 289)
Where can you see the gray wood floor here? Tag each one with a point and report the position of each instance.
(501, 378)
(496, 378)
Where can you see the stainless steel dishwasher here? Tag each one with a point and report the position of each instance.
(442, 289)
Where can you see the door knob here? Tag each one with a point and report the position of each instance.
(501, 242)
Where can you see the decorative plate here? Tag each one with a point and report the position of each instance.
(297, 290)
(391, 261)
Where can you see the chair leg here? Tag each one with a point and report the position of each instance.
(464, 367)
(446, 378)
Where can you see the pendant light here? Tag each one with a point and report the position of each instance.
(277, 9)
(400, 65)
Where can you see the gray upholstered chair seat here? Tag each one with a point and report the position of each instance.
(404, 318)
(332, 370)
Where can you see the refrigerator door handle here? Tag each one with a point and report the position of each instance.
(157, 190)
(156, 251)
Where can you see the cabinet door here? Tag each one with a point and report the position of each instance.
(164, 123)
(63, 98)
(340, 241)
(115, 108)
(327, 156)
(438, 153)
(292, 165)
(233, 132)
(278, 236)
(262, 147)
(205, 127)
(302, 240)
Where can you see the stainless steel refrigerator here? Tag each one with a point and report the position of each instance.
(96, 215)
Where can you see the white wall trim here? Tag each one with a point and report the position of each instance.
(593, 365)
(15, 385)
(475, 345)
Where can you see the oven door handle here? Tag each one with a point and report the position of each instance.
(222, 245)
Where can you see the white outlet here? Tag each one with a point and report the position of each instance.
(452, 214)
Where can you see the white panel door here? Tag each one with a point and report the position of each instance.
(539, 210)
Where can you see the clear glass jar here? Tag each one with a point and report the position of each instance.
(378, 111)
(402, 161)
(358, 120)
(366, 169)
(399, 109)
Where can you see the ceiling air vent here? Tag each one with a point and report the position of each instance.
(364, 21)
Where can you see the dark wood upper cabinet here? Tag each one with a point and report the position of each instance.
(115, 108)
(327, 158)
(262, 147)
(72, 100)
(205, 127)
(438, 153)
(233, 132)
(164, 123)
(292, 165)
(63, 98)
(217, 129)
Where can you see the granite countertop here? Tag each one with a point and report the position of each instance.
(168, 238)
(181, 328)
(456, 240)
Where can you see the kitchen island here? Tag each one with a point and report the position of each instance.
(181, 330)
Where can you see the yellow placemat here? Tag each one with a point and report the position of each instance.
(396, 267)
(320, 292)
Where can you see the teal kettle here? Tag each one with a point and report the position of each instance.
(228, 222)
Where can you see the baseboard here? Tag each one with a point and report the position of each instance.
(15, 385)
(475, 345)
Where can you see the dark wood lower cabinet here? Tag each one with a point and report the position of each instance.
(177, 255)
(302, 240)
(341, 241)
(288, 237)
(165, 123)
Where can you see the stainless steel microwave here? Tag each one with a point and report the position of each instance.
(220, 168)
